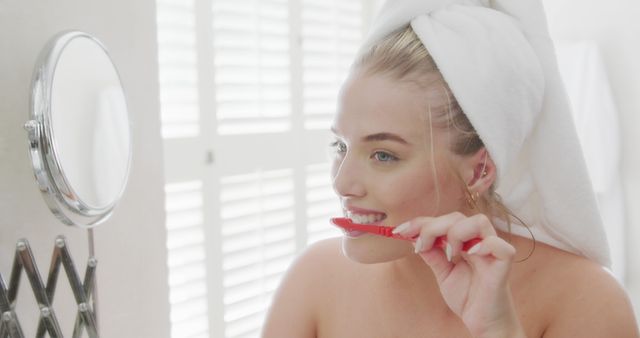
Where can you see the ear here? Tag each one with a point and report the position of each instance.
(479, 171)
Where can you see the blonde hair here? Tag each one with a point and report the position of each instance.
(403, 57)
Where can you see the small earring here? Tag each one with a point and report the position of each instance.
(475, 196)
(484, 165)
(472, 199)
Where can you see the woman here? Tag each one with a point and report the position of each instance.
(450, 105)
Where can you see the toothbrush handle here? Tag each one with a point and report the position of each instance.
(386, 231)
(441, 242)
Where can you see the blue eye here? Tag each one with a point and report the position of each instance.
(382, 156)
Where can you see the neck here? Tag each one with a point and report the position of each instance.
(411, 270)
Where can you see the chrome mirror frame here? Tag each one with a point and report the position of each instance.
(54, 185)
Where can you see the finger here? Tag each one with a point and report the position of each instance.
(412, 227)
(467, 229)
(494, 246)
(437, 261)
(434, 229)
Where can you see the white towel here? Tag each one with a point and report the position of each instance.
(499, 61)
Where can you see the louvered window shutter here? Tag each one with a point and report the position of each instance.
(186, 260)
(269, 81)
(178, 69)
(331, 33)
(252, 58)
(258, 245)
(179, 106)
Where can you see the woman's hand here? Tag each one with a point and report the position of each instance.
(474, 284)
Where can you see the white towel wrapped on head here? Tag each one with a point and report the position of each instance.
(499, 61)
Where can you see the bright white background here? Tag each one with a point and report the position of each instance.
(613, 25)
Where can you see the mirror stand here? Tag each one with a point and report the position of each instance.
(80, 148)
(44, 294)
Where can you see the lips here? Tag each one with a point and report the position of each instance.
(362, 216)
(353, 233)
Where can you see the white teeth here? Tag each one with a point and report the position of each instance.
(365, 219)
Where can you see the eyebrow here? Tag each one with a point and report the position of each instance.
(380, 137)
(384, 137)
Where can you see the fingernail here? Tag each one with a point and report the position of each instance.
(418, 245)
(402, 227)
(474, 249)
(448, 250)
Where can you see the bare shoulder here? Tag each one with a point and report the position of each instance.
(318, 266)
(323, 253)
(585, 299)
(293, 311)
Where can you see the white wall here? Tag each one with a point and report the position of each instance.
(615, 27)
(132, 276)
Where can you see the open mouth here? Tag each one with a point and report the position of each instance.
(366, 218)
(373, 218)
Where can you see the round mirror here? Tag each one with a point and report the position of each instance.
(79, 134)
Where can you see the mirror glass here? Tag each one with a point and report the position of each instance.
(79, 132)
(89, 122)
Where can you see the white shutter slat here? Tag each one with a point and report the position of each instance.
(241, 262)
(322, 203)
(185, 237)
(178, 95)
(177, 71)
(176, 36)
(255, 273)
(187, 310)
(183, 196)
(186, 259)
(240, 241)
(251, 53)
(245, 327)
(178, 80)
(191, 328)
(249, 242)
(239, 59)
(185, 256)
(275, 202)
(196, 290)
(257, 212)
(183, 219)
(237, 226)
(331, 32)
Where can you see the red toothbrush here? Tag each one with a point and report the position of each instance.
(386, 231)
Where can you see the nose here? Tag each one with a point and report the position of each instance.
(348, 177)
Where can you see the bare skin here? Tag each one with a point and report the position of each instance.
(391, 170)
(556, 294)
